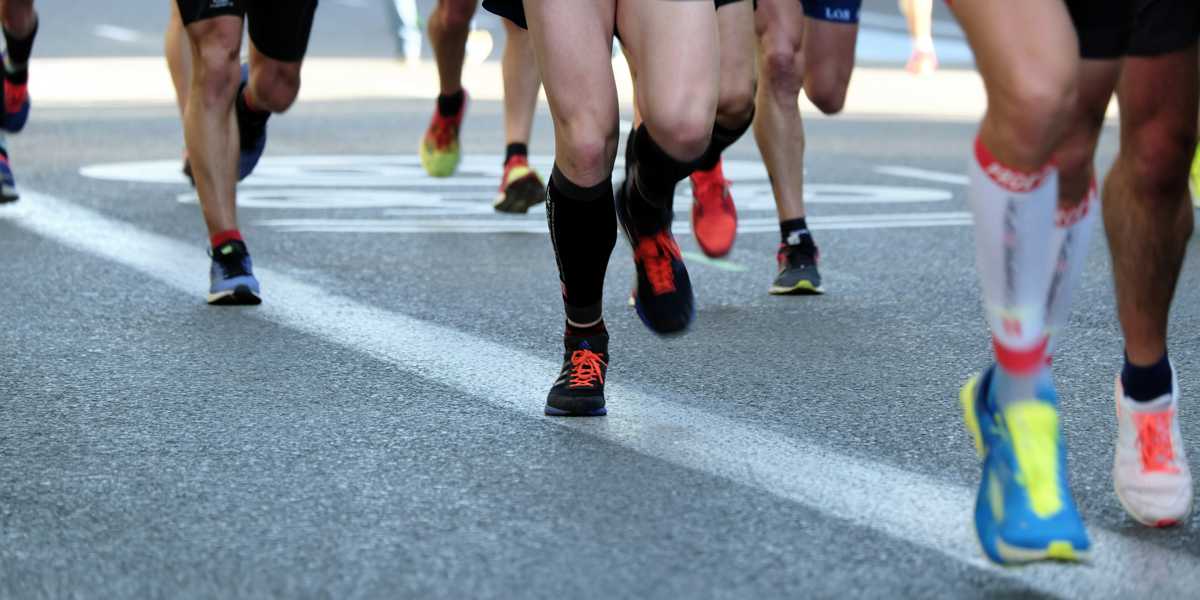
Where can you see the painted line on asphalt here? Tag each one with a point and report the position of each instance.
(904, 505)
(716, 263)
(118, 34)
(923, 174)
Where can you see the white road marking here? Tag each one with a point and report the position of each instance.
(923, 174)
(904, 505)
(118, 34)
(723, 264)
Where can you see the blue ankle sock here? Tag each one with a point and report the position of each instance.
(1144, 384)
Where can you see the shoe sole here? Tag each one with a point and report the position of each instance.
(520, 196)
(239, 296)
(576, 407)
(558, 412)
(804, 288)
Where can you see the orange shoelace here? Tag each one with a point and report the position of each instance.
(656, 253)
(586, 368)
(1154, 437)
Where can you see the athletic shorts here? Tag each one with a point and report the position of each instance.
(1110, 29)
(278, 28)
(836, 11)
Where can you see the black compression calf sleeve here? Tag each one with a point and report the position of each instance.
(655, 172)
(17, 55)
(722, 138)
(583, 229)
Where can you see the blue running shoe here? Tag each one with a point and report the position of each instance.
(252, 131)
(662, 291)
(232, 276)
(1024, 511)
(16, 106)
(8, 184)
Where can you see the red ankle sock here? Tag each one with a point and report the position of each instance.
(225, 236)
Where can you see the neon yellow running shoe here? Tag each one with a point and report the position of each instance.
(1196, 179)
(439, 150)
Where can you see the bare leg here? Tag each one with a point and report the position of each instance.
(778, 128)
(521, 84)
(179, 57)
(1147, 212)
(449, 26)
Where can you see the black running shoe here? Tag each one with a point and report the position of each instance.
(798, 273)
(662, 290)
(579, 390)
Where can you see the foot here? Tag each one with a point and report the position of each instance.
(662, 290)
(520, 187)
(579, 390)
(232, 276)
(252, 132)
(8, 184)
(714, 217)
(1150, 468)
(798, 274)
(922, 62)
(16, 106)
(1024, 511)
(439, 150)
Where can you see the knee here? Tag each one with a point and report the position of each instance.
(736, 101)
(585, 149)
(1160, 154)
(782, 72)
(276, 86)
(1032, 115)
(218, 73)
(683, 133)
(455, 15)
(827, 93)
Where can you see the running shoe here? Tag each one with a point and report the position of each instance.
(1150, 468)
(520, 187)
(8, 184)
(439, 150)
(922, 62)
(232, 276)
(714, 217)
(662, 290)
(1024, 511)
(579, 389)
(798, 273)
(16, 105)
(1195, 182)
(252, 133)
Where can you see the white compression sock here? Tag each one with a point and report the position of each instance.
(1016, 252)
(1074, 227)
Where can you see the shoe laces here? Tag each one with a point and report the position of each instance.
(1154, 441)
(587, 368)
(656, 253)
(233, 264)
(444, 131)
(1033, 430)
(712, 189)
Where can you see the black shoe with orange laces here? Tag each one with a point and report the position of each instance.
(579, 390)
(662, 291)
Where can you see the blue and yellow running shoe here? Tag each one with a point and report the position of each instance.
(1024, 511)
(232, 281)
(8, 183)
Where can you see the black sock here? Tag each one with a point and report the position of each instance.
(793, 232)
(18, 55)
(1144, 384)
(448, 105)
(515, 149)
(655, 172)
(589, 331)
(583, 229)
(250, 119)
(629, 152)
(722, 138)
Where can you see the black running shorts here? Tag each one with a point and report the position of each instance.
(1110, 29)
(278, 28)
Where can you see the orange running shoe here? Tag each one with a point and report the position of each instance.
(439, 150)
(714, 217)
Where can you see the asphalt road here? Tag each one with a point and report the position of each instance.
(374, 429)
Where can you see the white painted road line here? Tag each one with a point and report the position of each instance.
(117, 34)
(907, 506)
(923, 174)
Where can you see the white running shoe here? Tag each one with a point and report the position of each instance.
(1150, 468)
